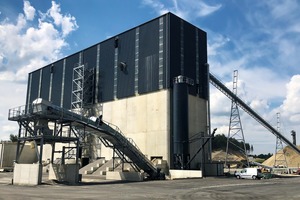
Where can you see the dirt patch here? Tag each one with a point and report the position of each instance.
(292, 158)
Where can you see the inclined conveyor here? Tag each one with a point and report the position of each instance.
(112, 137)
(219, 85)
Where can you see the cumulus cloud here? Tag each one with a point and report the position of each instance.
(291, 103)
(32, 40)
(67, 22)
(29, 10)
(26, 47)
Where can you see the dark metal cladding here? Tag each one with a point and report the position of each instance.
(149, 57)
(165, 52)
(174, 51)
(45, 87)
(203, 67)
(182, 30)
(35, 85)
(90, 57)
(126, 64)
(57, 82)
(90, 63)
(154, 53)
(180, 124)
(106, 75)
(28, 89)
(189, 50)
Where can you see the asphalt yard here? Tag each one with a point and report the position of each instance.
(206, 188)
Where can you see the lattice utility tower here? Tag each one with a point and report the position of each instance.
(235, 132)
(280, 158)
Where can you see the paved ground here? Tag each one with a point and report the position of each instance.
(206, 188)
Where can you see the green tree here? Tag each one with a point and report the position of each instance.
(220, 142)
(13, 138)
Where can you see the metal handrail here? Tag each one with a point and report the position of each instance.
(43, 108)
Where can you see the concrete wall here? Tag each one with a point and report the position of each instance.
(178, 174)
(197, 129)
(64, 173)
(143, 118)
(128, 176)
(8, 154)
(146, 119)
(27, 174)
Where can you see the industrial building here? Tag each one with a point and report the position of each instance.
(149, 84)
(131, 79)
(151, 81)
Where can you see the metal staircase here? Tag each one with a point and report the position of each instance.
(111, 136)
(219, 85)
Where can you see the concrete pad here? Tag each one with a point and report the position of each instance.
(27, 174)
(179, 174)
(65, 173)
(128, 176)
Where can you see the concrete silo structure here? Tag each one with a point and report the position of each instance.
(151, 81)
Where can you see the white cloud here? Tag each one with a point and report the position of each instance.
(27, 47)
(291, 104)
(29, 10)
(67, 22)
(215, 43)
(203, 9)
(186, 9)
(28, 43)
(157, 6)
(282, 8)
(12, 95)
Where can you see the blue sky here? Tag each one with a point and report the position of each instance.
(261, 39)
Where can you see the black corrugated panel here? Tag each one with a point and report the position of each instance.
(90, 57)
(28, 87)
(45, 83)
(35, 85)
(148, 62)
(148, 57)
(126, 54)
(90, 62)
(189, 35)
(190, 55)
(174, 47)
(106, 75)
(203, 70)
(57, 82)
(71, 62)
(166, 53)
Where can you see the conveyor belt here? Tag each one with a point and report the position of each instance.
(219, 85)
(45, 110)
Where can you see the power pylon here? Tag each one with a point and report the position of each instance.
(235, 132)
(280, 158)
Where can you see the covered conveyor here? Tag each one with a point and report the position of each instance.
(219, 85)
(111, 137)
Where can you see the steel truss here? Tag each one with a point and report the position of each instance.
(235, 131)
